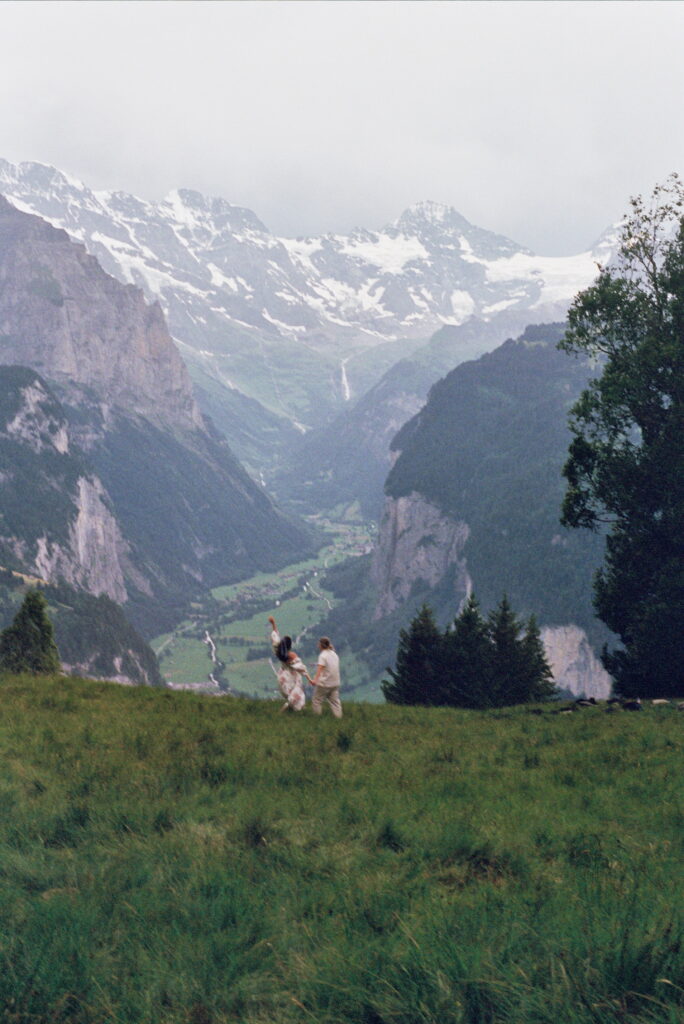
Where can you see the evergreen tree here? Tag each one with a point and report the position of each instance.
(466, 662)
(520, 672)
(538, 683)
(28, 644)
(508, 657)
(415, 679)
(626, 460)
(476, 664)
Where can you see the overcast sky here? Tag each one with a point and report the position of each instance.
(535, 119)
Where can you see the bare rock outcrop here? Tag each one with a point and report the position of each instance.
(417, 542)
(574, 663)
(57, 515)
(62, 315)
(127, 670)
(91, 560)
(35, 422)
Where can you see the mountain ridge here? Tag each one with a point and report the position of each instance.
(278, 318)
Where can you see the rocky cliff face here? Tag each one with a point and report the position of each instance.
(92, 557)
(128, 668)
(61, 314)
(35, 419)
(57, 528)
(574, 663)
(57, 521)
(417, 543)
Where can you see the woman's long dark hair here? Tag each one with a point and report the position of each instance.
(283, 649)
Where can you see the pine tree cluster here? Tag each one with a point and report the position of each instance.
(477, 663)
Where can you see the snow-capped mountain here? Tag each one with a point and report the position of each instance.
(283, 320)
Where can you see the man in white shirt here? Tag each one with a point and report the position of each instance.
(326, 682)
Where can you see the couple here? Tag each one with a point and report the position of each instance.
(291, 668)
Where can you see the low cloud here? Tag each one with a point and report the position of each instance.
(534, 120)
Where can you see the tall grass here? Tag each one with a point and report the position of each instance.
(172, 859)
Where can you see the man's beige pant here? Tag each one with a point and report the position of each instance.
(331, 694)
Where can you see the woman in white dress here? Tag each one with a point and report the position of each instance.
(290, 670)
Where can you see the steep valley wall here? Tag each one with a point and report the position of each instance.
(418, 544)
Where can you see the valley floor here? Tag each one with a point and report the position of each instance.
(167, 858)
(223, 647)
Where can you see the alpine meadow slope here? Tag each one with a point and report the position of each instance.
(172, 858)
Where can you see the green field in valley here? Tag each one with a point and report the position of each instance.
(235, 618)
(170, 858)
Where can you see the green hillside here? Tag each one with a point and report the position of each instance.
(174, 500)
(172, 859)
(488, 448)
(93, 635)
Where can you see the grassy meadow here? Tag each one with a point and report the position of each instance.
(168, 858)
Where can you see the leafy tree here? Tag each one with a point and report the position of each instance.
(415, 680)
(626, 461)
(28, 645)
